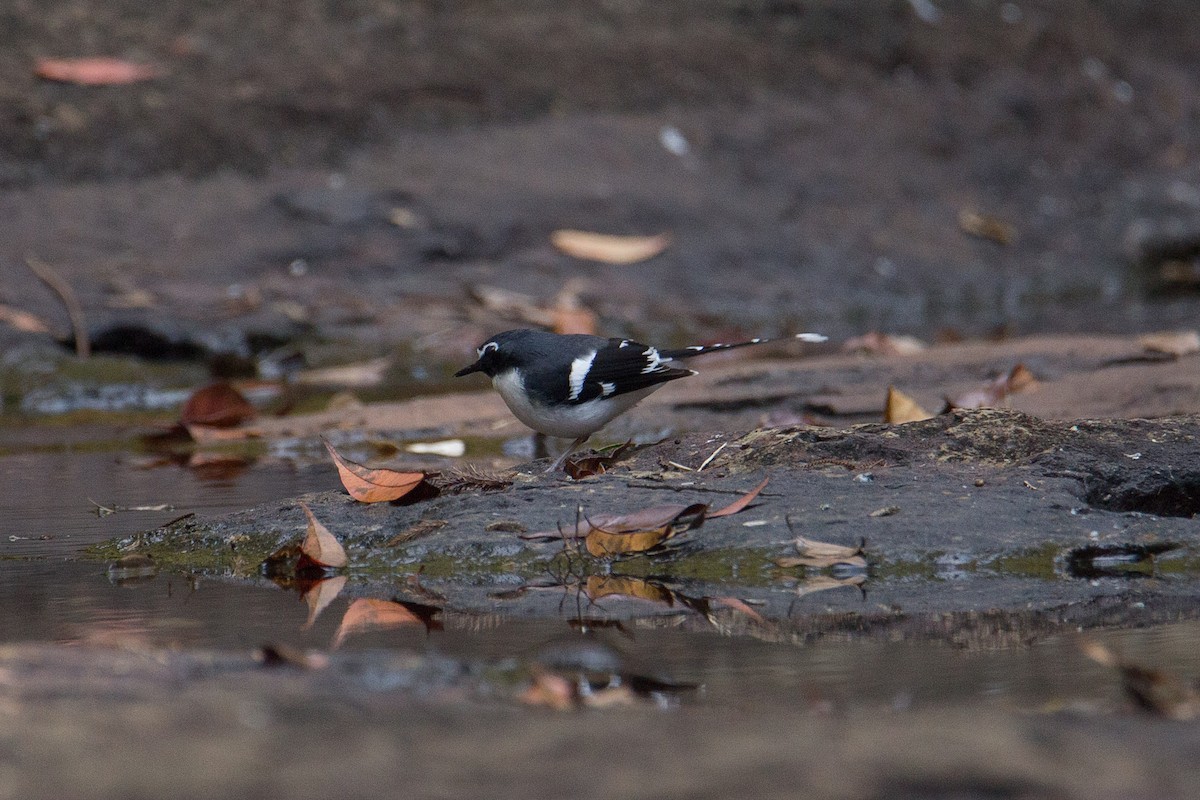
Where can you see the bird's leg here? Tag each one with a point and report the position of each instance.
(559, 461)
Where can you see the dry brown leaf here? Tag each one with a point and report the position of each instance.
(98, 71)
(319, 595)
(899, 408)
(883, 344)
(986, 226)
(595, 464)
(217, 405)
(1175, 343)
(22, 320)
(602, 543)
(369, 614)
(368, 485)
(607, 248)
(740, 503)
(320, 546)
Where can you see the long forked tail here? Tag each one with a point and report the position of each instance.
(701, 349)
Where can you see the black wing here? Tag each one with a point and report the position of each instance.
(617, 367)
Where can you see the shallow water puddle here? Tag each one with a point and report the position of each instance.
(48, 516)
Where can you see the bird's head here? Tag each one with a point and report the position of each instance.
(502, 352)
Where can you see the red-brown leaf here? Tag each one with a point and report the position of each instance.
(368, 485)
(368, 614)
(740, 503)
(320, 546)
(99, 71)
(217, 405)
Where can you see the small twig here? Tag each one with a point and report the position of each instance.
(49, 276)
(708, 460)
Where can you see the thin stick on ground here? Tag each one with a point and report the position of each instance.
(53, 281)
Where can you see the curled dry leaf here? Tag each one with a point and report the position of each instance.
(1018, 379)
(369, 614)
(217, 405)
(98, 71)
(368, 485)
(597, 463)
(1174, 343)
(824, 554)
(320, 547)
(319, 595)
(741, 503)
(986, 226)
(607, 248)
(899, 408)
(642, 530)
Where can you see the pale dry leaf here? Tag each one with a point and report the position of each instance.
(1175, 343)
(899, 408)
(320, 546)
(608, 248)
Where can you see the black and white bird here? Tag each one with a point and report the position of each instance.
(572, 385)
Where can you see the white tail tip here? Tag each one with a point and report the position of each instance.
(812, 337)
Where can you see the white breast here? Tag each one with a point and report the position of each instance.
(565, 421)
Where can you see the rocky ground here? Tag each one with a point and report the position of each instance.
(356, 179)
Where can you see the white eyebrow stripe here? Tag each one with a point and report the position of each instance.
(580, 368)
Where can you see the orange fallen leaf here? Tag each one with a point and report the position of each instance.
(97, 71)
(368, 485)
(550, 690)
(986, 226)
(320, 547)
(320, 595)
(22, 320)
(607, 248)
(217, 405)
(369, 614)
(899, 408)
(1018, 379)
(740, 503)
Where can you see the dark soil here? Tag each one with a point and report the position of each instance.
(831, 149)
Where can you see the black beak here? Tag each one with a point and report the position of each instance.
(476, 367)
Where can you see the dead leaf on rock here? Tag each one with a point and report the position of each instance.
(986, 226)
(596, 463)
(98, 71)
(217, 405)
(741, 503)
(900, 408)
(319, 595)
(373, 485)
(820, 555)
(642, 530)
(369, 614)
(320, 548)
(607, 248)
(1175, 343)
